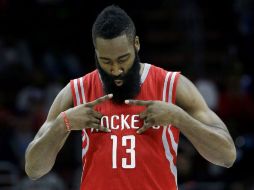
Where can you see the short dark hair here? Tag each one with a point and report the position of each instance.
(113, 22)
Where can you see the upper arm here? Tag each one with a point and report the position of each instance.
(190, 100)
(62, 102)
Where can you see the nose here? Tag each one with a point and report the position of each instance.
(116, 70)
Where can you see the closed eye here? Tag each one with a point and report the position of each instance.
(105, 61)
(123, 59)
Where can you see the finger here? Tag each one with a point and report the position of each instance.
(104, 129)
(143, 115)
(139, 102)
(99, 100)
(97, 114)
(99, 127)
(150, 121)
(96, 121)
(144, 128)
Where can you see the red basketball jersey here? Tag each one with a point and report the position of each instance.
(123, 159)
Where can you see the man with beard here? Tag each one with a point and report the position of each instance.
(123, 86)
(130, 114)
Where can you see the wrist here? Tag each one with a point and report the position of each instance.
(183, 119)
(66, 121)
(178, 117)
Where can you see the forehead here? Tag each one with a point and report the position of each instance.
(113, 47)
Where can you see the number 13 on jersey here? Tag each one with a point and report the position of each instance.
(129, 150)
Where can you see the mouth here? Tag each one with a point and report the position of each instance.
(119, 82)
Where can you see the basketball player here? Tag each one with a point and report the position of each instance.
(130, 114)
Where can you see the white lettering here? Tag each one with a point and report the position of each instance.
(124, 121)
(116, 122)
(133, 121)
(105, 121)
(112, 122)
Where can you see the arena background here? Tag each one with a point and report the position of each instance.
(45, 43)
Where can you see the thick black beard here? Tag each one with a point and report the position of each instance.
(131, 82)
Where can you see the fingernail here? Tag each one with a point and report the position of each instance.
(108, 130)
(110, 95)
(127, 101)
(138, 132)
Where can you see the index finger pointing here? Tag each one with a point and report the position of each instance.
(99, 100)
(138, 102)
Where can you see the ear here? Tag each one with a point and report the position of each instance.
(137, 44)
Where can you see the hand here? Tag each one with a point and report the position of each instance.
(84, 116)
(156, 113)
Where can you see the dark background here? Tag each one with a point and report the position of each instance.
(45, 43)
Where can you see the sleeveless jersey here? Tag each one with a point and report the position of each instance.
(123, 159)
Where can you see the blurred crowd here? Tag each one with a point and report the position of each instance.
(32, 74)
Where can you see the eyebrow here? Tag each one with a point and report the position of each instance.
(122, 56)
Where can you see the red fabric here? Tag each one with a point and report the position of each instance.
(144, 154)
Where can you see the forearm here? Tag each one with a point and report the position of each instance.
(41, 152)
(212, 142)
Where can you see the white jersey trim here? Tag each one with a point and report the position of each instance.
(173, 142)
(78, 99)
(76, 91)
(168, 154)
(170, 100)
(145, 72)
(167, 129)
(165, 87)
(84, 150)
(82, 89)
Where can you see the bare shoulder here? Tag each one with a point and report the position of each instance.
(188, 97)
(62, 102)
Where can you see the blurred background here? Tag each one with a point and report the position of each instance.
(45, 43)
